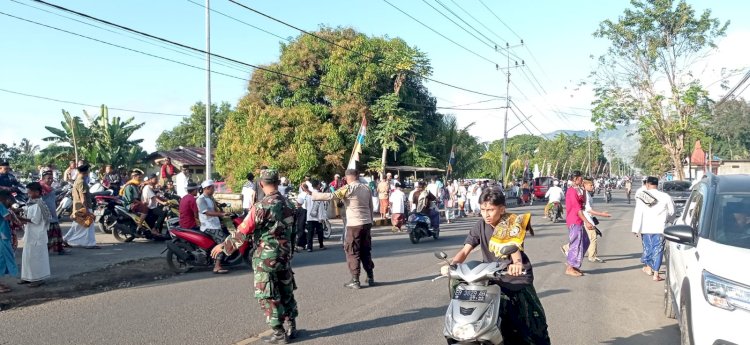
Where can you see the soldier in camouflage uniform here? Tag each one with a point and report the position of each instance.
(270, 222)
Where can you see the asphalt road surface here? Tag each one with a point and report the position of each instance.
(615, 303)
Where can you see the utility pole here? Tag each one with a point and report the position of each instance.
(507, 106)
(588, 169)
(208, 89)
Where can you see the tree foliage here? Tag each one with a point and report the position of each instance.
(191, 132)
(645, 75)
(304, 118)
(100, 140)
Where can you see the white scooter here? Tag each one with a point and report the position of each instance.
(473, 312)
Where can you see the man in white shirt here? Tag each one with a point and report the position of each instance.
(181, 182)
(248, 192)
(554, 195)
(648, 224)
(155, 216)
(210, 217)
(398, 208)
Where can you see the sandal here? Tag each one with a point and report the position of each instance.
(5, 289)
(221, 271)
(21, 282)
(647, 270)
(36, 284)
(66, 245)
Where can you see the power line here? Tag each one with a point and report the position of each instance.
(524, 115)
(241, 21)
(454, 22)
(521, 122)
(183, 52)
(496, 45)
(438, 33)
(195, 49)
(353, 51)
(498, 18)
(477, 20)
(90, 105)
(484, 101)
(118, 46)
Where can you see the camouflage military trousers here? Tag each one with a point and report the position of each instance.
(274, 291)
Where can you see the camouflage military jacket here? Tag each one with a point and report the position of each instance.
(270, 223)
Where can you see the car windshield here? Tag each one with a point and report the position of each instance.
(676, 186)
(731, 220)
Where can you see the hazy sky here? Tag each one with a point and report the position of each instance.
(45, 62)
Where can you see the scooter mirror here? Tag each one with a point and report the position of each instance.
(507, 250)
(441, 255)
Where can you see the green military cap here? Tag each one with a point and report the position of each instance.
(269, 175)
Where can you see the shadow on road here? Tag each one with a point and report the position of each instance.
(386, 321)
(621, 257)
(613, 269)
(548, 293)
(666, 335)
(405, 281)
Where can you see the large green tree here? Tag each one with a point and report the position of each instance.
(646, 77)
(191, 132)
(303, 116)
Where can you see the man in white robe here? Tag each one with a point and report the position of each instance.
(35, 256)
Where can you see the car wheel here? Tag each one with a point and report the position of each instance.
(686, 334)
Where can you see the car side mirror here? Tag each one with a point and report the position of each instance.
(682, 234)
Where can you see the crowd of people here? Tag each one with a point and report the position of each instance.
(284, 222)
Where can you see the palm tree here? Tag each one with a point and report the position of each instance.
(66, 140)
(113, 144)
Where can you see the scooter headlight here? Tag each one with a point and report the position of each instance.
(464, 331)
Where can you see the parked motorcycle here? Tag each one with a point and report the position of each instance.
(123, 224)
(473, 315)
(418, 226)
(104, 212)
(192, 248)
(555, 212)
(65, 196)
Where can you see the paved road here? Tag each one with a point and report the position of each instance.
(615, 303)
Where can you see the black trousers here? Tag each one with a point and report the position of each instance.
(300, 222)
(358, 245)
(155, 218)
(314, 227)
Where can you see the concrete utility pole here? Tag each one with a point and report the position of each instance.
(507, 106)
(208, 89)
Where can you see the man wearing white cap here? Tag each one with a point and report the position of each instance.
(554, 195)
(210, 218)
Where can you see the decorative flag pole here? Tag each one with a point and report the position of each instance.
(451, 161)
(357, 150)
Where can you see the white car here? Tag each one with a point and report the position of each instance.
(708, 257)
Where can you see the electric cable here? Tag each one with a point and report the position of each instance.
(118, 46)
(351, 50)
(498, 18)
(438, 33)
(183, 52)
(89, 105)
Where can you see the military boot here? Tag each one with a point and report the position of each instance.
(277, 337)
(353, 284)
(292, 333)
(370, 279)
